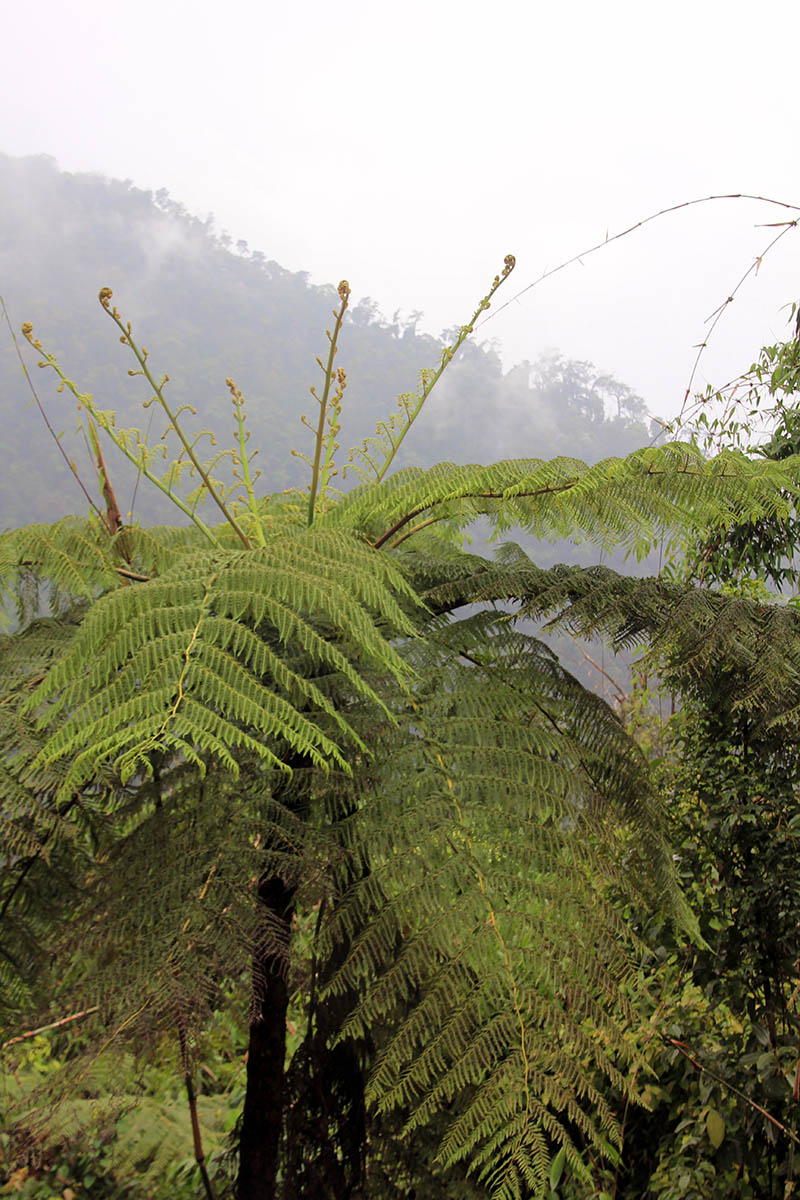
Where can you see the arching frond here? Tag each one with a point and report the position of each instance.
(693, 633)
(198, 662)
(75, 558)
(628, 502)
(36, 834)
(506, 804)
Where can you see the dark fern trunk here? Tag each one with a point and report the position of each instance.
(326, 1122)
(262, 1119)
(325, 1132)
(303, 1132)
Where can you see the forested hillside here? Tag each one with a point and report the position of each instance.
(208, 309)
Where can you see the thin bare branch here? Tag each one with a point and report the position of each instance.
(631, 229)
(70, 464)
(32, 1033)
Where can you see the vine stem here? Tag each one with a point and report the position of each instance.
(688, 1054)
(631, 229)
(718, 314)
(31, 1033)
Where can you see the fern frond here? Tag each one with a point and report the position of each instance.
(506, 804)
(170, 913)
(38, 846)
(198, 662)
(629, 502)
(75, 558)
(156, 549)
(689, 631)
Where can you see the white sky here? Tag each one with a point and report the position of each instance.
(409, 147)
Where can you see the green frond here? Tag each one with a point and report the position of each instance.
(27, 797)
(629, 502)
(37, 835)
(169, 913)
(221, 655)
(507, 806)
(74, 557)
(688, 630)
(155, 549)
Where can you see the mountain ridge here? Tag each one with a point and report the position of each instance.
(208, 311)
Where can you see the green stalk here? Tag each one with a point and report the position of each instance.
(344, 294)
(447, 357)
(97, 415)
(127, 339)
(238, 402)
(331, 446)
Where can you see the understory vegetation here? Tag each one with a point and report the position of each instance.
(323, 875)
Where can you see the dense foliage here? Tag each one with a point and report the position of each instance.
(301, 820)
(724, 1119)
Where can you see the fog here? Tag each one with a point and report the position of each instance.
(409, 149)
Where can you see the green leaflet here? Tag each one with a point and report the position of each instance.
(692, 632)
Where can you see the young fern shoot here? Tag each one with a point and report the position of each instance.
(241, 460)
(334, 427)
(135, 448)
(376, 454)
(316, 488)
(128, 441)
(158, 394)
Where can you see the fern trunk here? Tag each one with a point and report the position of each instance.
(264, 1097)
(326, 1122)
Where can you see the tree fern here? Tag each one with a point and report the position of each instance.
(237, 724)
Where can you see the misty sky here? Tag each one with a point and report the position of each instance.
(408, 147)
